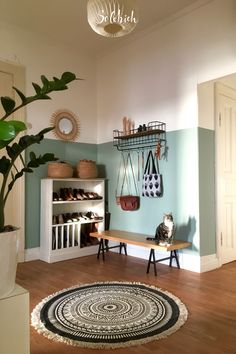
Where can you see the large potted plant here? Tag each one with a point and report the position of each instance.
(12, 149)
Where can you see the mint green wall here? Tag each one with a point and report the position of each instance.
(188, 176)
(179, 192)
(207, 191)
(66, 151)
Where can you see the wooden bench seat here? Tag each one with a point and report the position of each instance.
(125, 237)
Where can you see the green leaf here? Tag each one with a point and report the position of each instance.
(45, 84)
(8, 104)
(3, 144)
(18, 125)
(22, 96)
(26, 169)
(7, 131)
(4, 164)
(33, 163)
(68, 77)
(32, 155)
(28, 140)
(59, 86)
(44, 97)
(37, 88)
(40, 160)
(49, 157)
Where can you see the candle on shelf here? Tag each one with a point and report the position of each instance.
(124, 125)
(132, 127)
(128, 126)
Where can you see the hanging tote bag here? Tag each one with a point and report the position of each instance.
(152, 179)
(129, 202)
(119, 178)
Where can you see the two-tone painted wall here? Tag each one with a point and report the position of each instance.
(156, 77)
(153, 77)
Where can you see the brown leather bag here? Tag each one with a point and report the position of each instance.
(129, 202)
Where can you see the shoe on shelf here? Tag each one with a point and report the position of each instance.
(70, 194)
(96, 196)
(54, 220)
(63, 193)
(78, 194)
(68, 218)
(89, 215)
(90, 195)
(60, 219)
(83, 216)
(81, 192)
(94, 216)
(55, 197)
(97, 217)
(75, 217)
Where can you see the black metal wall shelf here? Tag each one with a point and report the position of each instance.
(141, 138)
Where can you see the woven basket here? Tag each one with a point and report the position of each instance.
(87, 169)
(60, 170)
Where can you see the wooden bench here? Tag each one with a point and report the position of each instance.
(124, 237)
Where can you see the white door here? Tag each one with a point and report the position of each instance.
(14, 75)
(226, 172)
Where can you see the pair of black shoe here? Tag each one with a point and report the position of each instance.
(64, 195)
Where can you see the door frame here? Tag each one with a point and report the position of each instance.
(220, 89)
(18, 73)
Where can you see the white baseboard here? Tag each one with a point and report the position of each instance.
(32, 254)
(187, 261)
(209, 262)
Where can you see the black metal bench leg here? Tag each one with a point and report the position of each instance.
(123, 245)
(176, 258)
(101, 248)
(174, 255)
(107, 245)
(171, 257)
(152, 260)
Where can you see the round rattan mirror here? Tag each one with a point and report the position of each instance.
(66, 125)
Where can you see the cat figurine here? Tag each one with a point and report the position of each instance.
(165, 231)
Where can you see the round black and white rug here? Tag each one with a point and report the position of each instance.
(109, 315)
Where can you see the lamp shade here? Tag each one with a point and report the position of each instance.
(112, 18)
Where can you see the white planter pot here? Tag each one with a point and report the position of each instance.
(8, 262)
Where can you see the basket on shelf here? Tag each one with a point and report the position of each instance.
(87, 169)
(60, 170)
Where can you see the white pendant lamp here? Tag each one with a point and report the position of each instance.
(112, 18)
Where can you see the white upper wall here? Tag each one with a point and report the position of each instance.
(40, 55)
(156, 76)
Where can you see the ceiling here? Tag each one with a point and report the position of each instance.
(66, 20)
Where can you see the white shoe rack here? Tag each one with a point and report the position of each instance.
(66, 240)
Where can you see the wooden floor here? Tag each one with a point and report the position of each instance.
(210, 298)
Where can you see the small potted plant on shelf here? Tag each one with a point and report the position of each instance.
(12, 149)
